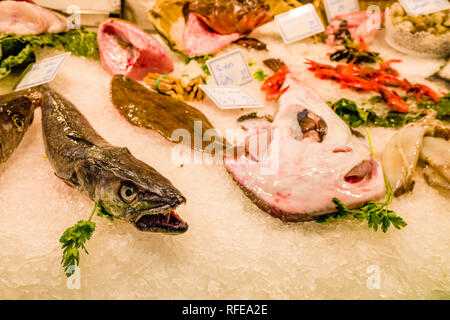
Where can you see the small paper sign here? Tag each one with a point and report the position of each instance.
(230, 69)
(41, 72)
(338, 7)
(419, 7)
(230, 97)
(299, 23)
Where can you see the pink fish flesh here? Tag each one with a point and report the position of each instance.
(127, 50)
(357, 23)
(199, 39)
(293, 173)
(24, 18)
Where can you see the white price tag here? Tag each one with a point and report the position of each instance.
(230, 69)
(299, 23)
(41, 72)
(338, 7)
(229, 97)
(419, 7)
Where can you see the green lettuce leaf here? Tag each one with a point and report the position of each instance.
(19, 51)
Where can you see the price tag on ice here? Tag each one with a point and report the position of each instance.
(419, 7)
(229, 97)
(230, 69)
(337, 7)
(41, 72)
(299, 23)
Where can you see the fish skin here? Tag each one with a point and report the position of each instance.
(86, 161)
(15, 106)
(230, 16)
(24, 18)
(199, 40)
(148, 109)
(310, 174)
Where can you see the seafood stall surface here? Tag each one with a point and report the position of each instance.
(232, 249)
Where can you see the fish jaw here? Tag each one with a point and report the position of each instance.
(166, 222)
(199, 40)
(308, 174)
(125, 49)
(152, 209)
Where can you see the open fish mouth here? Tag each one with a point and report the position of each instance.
(167, 222)
(161, 219)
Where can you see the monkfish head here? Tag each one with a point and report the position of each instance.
(16, 116)
(317, 159)
(130, 189)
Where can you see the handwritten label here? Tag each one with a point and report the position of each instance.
(230, 69)
(41, 72)
(337, 7)
(230, 97)
(419, 7)
(299, 23)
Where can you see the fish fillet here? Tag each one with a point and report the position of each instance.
(24, 18)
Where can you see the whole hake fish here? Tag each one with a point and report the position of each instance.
(16, 116)
(128, 188)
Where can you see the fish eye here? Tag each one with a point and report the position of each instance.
(18, 122)
(127, 193)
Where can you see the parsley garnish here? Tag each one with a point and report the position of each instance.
(377, 214)
(376, 99)
(442, 107)
(259, 75)
(355, 116)
(200, 59)
(75, 238)
(205, 69)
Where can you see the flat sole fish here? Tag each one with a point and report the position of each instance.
(146, 108)
(297, 164)
(127, 188)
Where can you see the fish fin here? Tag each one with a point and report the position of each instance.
(71, 182)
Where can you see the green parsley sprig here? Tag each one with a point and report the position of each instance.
(74, 239)
(376, 214)
(202, 61)
(259, 75)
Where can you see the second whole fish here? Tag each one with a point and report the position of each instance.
(127, 188)
(16, 116)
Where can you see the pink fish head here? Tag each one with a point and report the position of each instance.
(306, 157)
(126, 49)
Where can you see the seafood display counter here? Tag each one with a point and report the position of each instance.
(330, 181)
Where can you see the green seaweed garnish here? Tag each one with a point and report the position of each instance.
(356, 117)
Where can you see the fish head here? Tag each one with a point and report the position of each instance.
(16, 116)
(230, 16)
(130, 189)
(305, 158)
